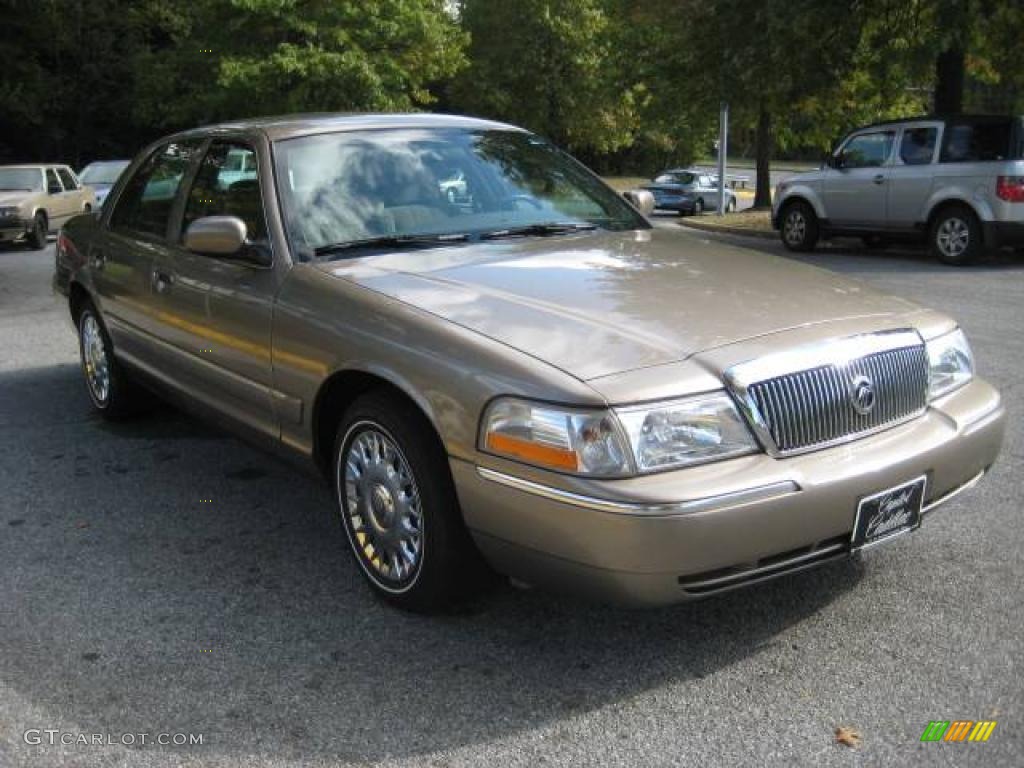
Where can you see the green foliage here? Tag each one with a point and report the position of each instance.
(545, 64)
(280, 56)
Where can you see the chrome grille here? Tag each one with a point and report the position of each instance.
(814, 407)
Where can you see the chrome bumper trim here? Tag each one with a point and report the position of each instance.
(759, 573)
(954, 493)
(667, 509)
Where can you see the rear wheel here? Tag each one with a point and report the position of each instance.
(37, 235)
(398, 506)
(799, 228)
(112, 392)
(955, 236)
(698, 206)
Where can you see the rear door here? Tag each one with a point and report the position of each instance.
(912, 174)
(216, 311)
(855, 191)
(72, 195)
(123, 255)
(57, 208)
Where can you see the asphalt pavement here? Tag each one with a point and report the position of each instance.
(162, 577)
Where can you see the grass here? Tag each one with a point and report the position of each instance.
(752, 221)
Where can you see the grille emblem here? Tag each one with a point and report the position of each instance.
(862, 395)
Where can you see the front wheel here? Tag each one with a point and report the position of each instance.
(955, 236)
(398, 506)
(799, 228)
(37, 235)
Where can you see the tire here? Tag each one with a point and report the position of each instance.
(799, 227)
(113, 394)
(698, 206)
(396, 498)
(875, 242)
(37, 237)
(731, 206)
(955, 236)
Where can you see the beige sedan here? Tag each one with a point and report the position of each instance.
(36, 200)
(526, 379)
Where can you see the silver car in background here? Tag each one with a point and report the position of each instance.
(956, 182)
(101, 176)
(688, 191)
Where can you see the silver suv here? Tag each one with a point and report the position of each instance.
(957, 182)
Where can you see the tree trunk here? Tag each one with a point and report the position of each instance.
(763, 154)
(949, 81)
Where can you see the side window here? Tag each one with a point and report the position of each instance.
(917, 147)
(52, 183)
(976, 142)
(67, 179)
(227, 184)
(868, 150)
(147, 199)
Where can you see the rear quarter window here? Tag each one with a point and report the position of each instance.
(976, 142)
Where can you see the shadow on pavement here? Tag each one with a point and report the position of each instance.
(194, 584)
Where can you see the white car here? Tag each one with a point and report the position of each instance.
(36, 200)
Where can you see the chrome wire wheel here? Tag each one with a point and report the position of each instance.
(95, 362)
(381, 506)
(795, 227)
(953, 237)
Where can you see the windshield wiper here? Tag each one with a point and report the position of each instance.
(391, 241)
(540, 230)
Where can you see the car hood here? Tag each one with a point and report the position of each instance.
(13, 197)
(602, 303)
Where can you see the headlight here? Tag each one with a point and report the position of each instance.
(950, 364)
(690, 431)
(586, 442)
(8, 211)
(631, 440)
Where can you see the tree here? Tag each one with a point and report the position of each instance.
(548, 65)
(231, 58)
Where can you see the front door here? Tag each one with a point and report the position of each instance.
(216, 311)
(855, 189)
(57, 208)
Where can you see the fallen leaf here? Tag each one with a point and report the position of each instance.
(82, 524)
(848, 736)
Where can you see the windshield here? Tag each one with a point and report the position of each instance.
(362, 185)
(102, 173)
(21, 178)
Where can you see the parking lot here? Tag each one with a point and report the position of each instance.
(163, 577)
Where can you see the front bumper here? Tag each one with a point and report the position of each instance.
(679, 535)
(12, 229)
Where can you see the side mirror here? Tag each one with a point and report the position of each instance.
(641, 199)
(223, 236)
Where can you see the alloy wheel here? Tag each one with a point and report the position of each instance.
(795, 227)
(953, 237)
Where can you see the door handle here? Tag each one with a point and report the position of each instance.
(162, 281)
(878, 179)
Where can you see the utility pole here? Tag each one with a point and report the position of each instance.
(723, 148)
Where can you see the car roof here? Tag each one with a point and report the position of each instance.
(35, 166)
(936, 117)
(290, 126)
